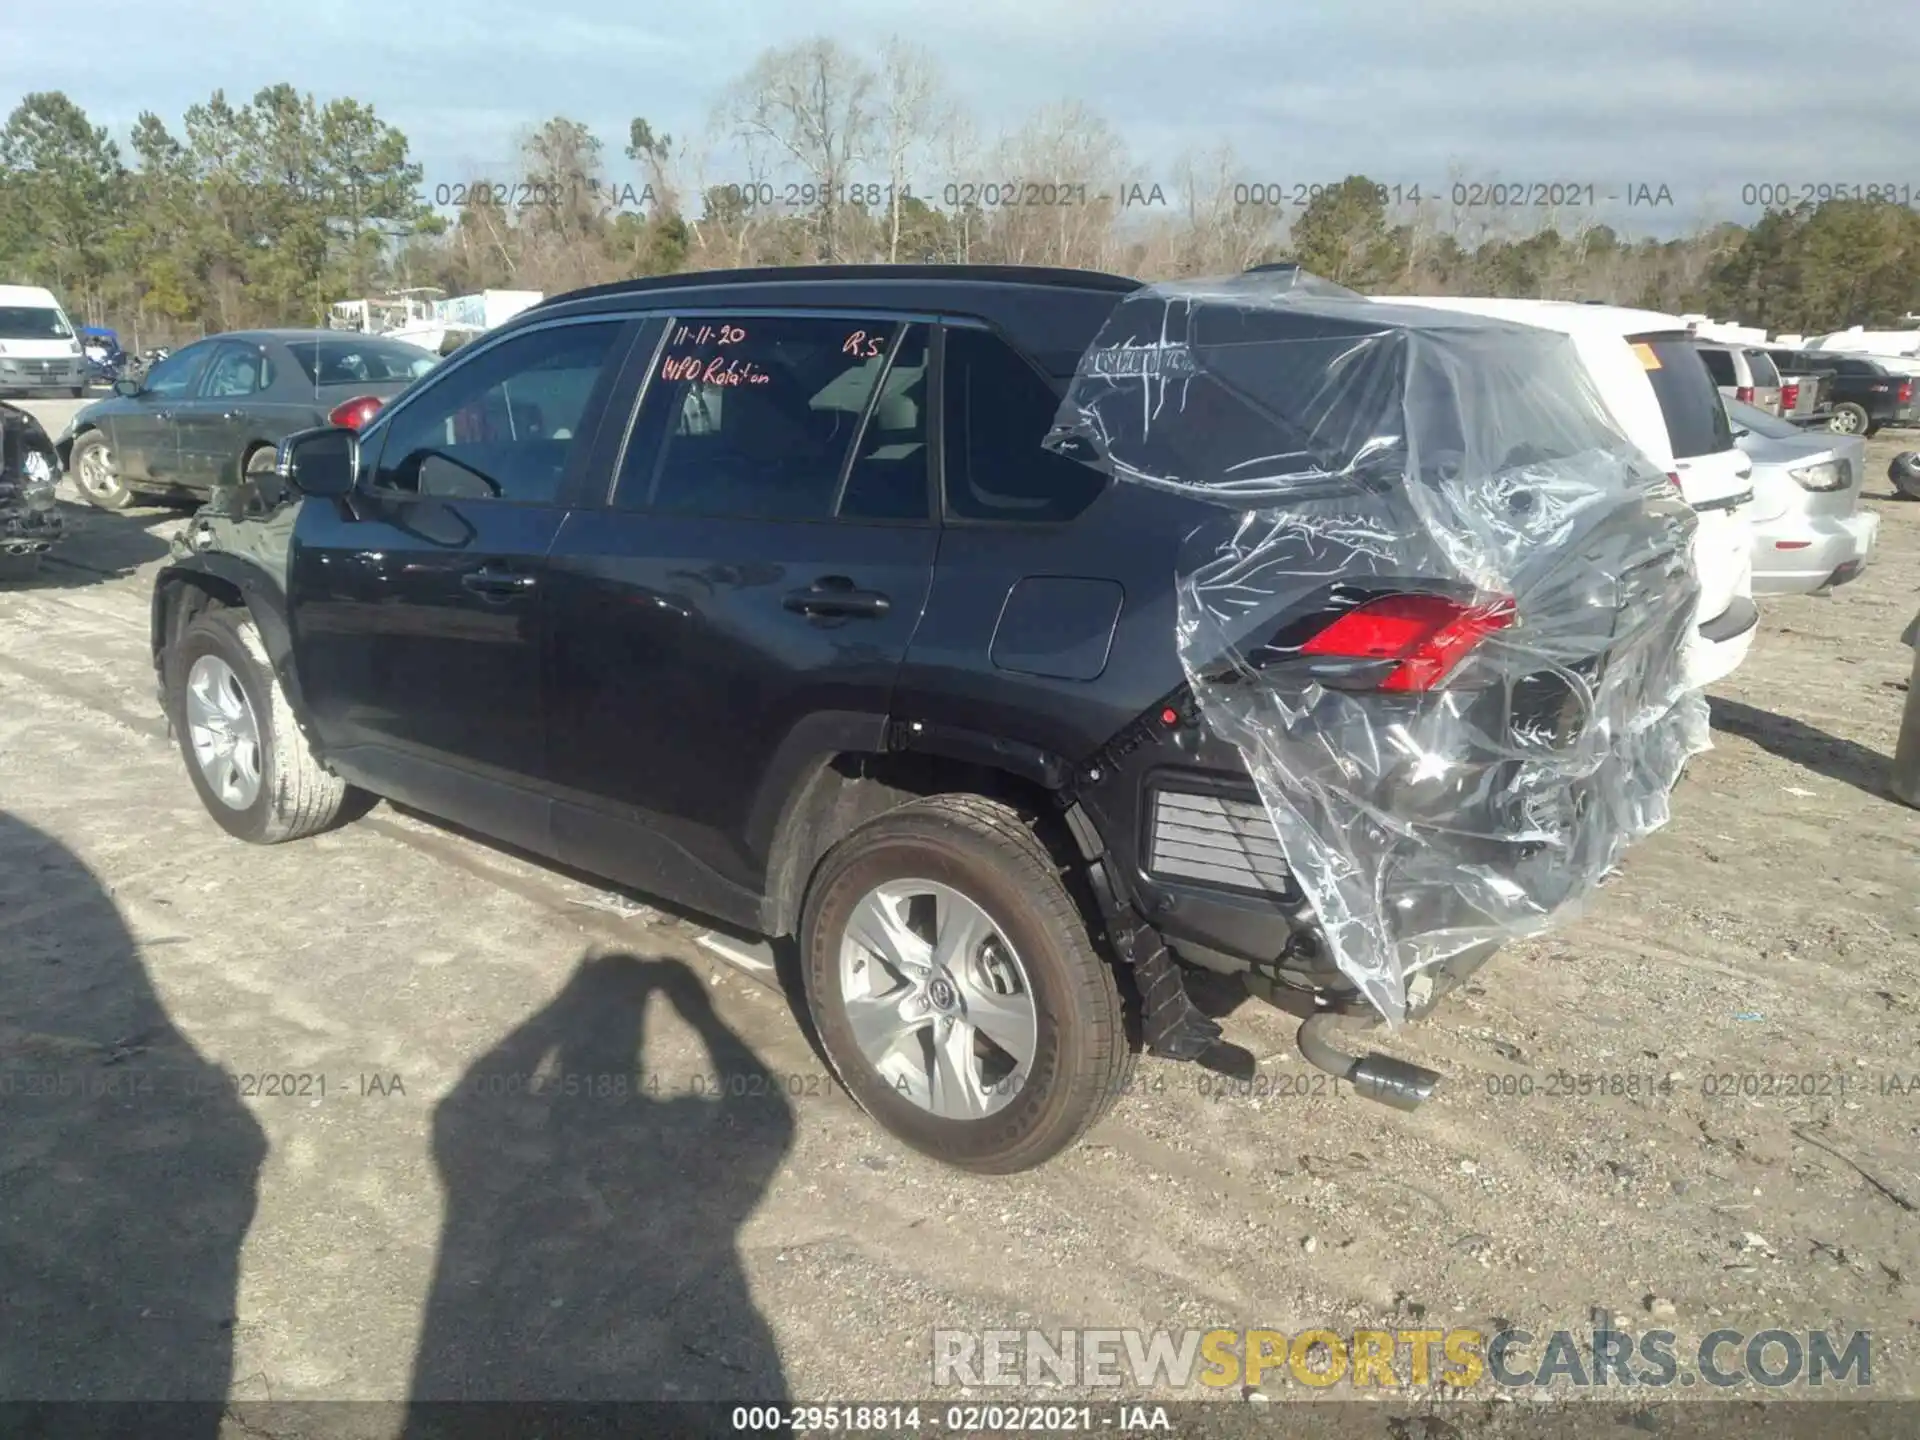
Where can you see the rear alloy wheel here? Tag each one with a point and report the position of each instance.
(244, 750)
(955, 989)
(96, 474)
(1848, 419)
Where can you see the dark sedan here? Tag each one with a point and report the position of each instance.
(214, 410)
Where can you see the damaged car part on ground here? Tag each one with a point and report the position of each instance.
(29, 475)
(759, 592)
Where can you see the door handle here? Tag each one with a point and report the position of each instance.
(497, 584)
(229, 414)
(837, 595)
(163, 414)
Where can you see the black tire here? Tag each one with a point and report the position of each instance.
(1848, 419)
(1904, 473)
(76, 392)
(258, 461)
(296, 797)
(984, 850)
(103, 487)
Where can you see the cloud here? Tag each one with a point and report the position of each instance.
(1701, 98)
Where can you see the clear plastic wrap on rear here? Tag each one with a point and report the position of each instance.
(1438, 603)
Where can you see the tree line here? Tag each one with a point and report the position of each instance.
(265, 211)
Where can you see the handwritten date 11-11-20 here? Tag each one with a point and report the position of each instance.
(709, 335)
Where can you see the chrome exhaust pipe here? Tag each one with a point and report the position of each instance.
(1399, 1083)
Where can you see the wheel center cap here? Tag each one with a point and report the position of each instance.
(940, 994)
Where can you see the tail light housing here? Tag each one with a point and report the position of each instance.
(355, 413)
(1426, 635)
(1904, 395)
(1744, 394)
(1789, 395)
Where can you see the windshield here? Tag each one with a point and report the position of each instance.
(33, 322)
(360, 360)
(1751, 417)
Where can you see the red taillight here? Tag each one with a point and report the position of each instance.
(1789, 395)
(355, 412)
(1904, 395)
(1674, 476)
(1428, 634)
(1744, 394)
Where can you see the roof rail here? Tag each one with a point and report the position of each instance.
(1000, 274)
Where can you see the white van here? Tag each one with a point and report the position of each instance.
(1660, 393)
(39, 348)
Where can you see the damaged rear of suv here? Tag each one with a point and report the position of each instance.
(1004, 638)
(29, 475)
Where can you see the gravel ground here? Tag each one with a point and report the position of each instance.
(418, 1231)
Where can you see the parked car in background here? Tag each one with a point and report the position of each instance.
(1743, 372)
(1810, 530)
(106, 361)
(29, 472)
(39, 349)
(1803, 397)
(213, 411)
(1649, 371)
(1861, 393)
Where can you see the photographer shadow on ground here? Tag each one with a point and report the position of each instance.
(128, 1167)
(593, 1200)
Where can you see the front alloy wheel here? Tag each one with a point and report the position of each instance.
(97, 475)
(224, 732)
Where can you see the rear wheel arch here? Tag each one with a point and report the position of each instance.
(847, 790)
(249, 453)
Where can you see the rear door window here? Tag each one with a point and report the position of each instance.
(782, 418)
(1764, 374)
(1689, 402)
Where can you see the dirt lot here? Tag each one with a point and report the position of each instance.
(417, 1231)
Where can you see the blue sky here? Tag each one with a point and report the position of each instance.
(1703, 99)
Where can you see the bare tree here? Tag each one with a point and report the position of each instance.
(1216, 233)
(813, 102)
(1070, 177)
(912, 111)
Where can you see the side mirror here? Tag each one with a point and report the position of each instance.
(128, 388)
(324, 461)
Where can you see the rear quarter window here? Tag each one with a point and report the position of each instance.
(1689, 402)
(1764, 373)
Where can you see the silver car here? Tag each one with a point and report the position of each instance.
(1810, 531)
(1743, 372)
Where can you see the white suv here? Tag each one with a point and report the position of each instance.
(1653, 380)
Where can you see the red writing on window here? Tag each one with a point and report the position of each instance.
(709, 335)
(862, 345)
(721, 370)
